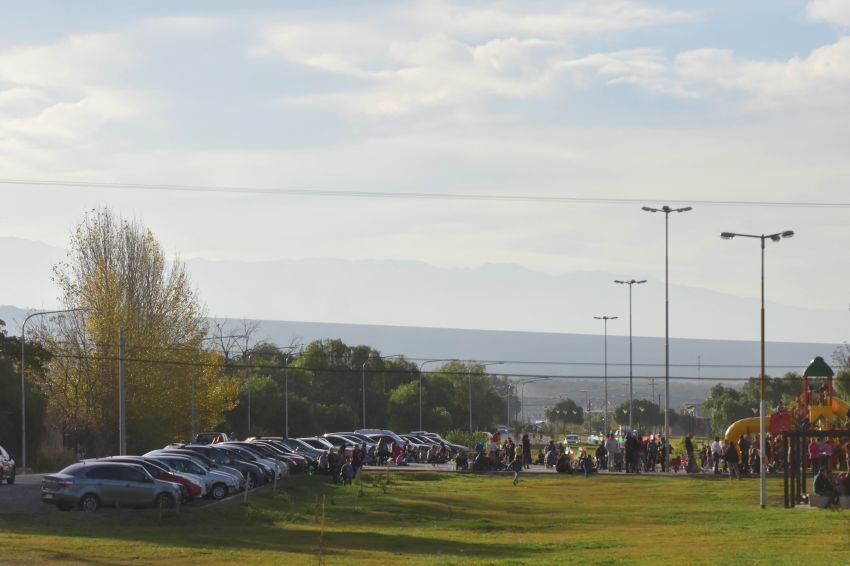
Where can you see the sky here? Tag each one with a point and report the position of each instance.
(652, 101)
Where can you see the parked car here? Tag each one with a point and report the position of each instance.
(572, 439)
(248, 456)
(92, 485)
(302, 462)
(317, 442)
(278, 467)
(254, 475)
(358, 438)
(370, 432)
(339, 440)
(451, 447)
(300, 446)
(218, 484)
(191, 488)
(209, 463)
(7, 467)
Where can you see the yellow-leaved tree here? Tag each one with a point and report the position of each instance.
(117, 275)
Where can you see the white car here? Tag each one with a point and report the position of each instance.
(572, 439)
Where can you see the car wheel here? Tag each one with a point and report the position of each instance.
(165, 500)
(219, 491)
(89, 502)
(251, 481)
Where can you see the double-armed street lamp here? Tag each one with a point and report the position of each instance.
(666, 210)
(605, 320)
(630, 283)
(776, 237)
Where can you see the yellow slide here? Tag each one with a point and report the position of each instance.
(750, 425)
(744, 426)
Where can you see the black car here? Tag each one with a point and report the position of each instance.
(7, 467)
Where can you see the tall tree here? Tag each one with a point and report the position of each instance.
(116, 271)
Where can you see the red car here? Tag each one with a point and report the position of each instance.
(191, 487)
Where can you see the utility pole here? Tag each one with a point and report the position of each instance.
(286, 395)
(122, 393)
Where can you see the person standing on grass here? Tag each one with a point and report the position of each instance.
(526, 451)
(613, 449)
(732, 461)
(516, 466)
(601, 457)
(652, 453)
(744, 443)
(585, 462)
(716, 453)
(689, 449)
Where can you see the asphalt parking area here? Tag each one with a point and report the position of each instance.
(23, 496)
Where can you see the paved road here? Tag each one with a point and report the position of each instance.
(23, 496)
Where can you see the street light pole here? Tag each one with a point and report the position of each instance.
(605, 320)
(778, 236)
(666, 210)
(23, 376)
(630, 283)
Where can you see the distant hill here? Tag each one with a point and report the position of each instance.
(702, 362)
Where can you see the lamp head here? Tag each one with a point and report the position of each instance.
(776, 238)
(727, 235)
(641, 282)
(788, 234)
(649, 209)
(684, 209)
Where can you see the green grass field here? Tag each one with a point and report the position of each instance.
(431, 517)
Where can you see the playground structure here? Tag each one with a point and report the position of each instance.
(815, 413)
(816, 408)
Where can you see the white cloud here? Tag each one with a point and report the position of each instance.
(831, 11)
(822, 76)
(582, 18)
(439, 53)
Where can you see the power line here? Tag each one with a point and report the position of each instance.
(404, 195)
(106, 346)
(357, 372)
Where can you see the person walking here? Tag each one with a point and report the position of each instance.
(516, 465)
